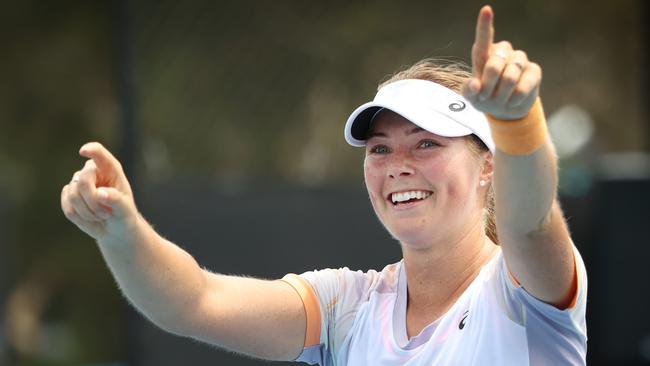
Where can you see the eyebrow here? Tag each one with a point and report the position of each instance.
(381, 134)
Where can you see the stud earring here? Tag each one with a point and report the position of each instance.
(482, 183)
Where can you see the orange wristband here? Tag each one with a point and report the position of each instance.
(520, 136)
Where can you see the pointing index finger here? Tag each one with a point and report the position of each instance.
(104, 160)
(483, 39)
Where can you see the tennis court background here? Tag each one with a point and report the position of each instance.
(245, 101)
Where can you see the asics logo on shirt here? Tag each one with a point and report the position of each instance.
(461, 325)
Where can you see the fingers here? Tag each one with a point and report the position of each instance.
(483, 40)
(471, 88)
(90, 227)
(107, 164)
(493, 69)
(81, 195)
(87, 207)
(76, 201)
(74, 207)
(527, 89)
(114, 201)
(98, 199)
(508, 86)
(504, 83)
(109, 172)
(86, 186)
(510, 76)
(80, 199)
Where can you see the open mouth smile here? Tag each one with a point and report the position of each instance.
(406, 197)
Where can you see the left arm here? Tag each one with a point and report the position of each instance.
(530, 224)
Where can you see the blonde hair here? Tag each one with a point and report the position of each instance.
(452, 74)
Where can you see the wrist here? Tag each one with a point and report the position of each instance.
(125, 232)
(521, 136)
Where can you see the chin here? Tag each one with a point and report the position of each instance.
(413, 234)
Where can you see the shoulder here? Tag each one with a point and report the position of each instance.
(339, 294)
(516, 300)
(346, 281)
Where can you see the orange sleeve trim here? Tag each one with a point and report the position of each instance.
(312, 308)
(521, 136)
(576, 283)
(575, 288)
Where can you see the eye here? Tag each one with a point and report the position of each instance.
(425, 144)
(379, 149)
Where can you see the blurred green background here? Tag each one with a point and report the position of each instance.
(240, 93)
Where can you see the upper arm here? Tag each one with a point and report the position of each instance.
(542, 261)
(259, 318)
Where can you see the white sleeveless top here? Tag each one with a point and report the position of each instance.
(494, 322)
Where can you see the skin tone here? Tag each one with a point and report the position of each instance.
(402, 157)
(167, 285)
(440, 264)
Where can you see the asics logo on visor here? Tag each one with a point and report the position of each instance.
(457, 106)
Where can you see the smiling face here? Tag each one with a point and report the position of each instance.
(424, 187)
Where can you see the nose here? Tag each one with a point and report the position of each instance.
(399, 168)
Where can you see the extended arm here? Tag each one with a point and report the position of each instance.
(530, 223)
(260, 318)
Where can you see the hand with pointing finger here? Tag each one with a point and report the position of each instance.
(98, 199)
(505, 83)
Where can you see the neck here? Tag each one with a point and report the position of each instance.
(439, 274)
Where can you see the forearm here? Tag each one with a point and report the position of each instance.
(525, 173)
(161, 280)
(525, 188)
(236, 313)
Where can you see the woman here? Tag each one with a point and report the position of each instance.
(459, 296)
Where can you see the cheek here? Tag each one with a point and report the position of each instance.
(436, 171)
(461, 183)
(373, 179)
(370, 173)
(449, 178)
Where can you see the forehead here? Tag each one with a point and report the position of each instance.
(388, 120)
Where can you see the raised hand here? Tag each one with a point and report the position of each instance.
(98, 199)
(505, 83)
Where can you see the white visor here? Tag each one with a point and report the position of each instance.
(428, 105)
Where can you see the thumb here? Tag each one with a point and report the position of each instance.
(118, 204)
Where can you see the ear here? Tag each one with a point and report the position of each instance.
(487, 166)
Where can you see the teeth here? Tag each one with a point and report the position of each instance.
(405, 196)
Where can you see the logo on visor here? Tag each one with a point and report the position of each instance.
(457, 106)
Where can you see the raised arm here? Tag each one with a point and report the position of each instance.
(530, 224)
(259, 318)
